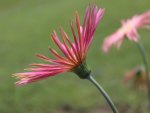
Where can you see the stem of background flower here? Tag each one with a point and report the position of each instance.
(102, 91)
(144, 58)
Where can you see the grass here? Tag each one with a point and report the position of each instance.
(24, 30)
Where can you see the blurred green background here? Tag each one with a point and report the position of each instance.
(25, 26)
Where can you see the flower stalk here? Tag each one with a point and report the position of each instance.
(145, 62)
(105, 95)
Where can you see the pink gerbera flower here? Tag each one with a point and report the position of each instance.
(128, 30)
(74, 54)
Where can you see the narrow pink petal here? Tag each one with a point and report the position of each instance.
(79, 35)
(44, 58)
(133, 35)
(58, 62)
(91, 19)
(112, 40)
(72, 57)
(57, 55)
(73, 49)
(76, 43)
(35, 76)
(60, 45)
(49, 69)
(99, 16)
(51, 66)
(43, 65)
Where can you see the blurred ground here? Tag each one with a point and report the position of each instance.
(25, 26)
(103, 109)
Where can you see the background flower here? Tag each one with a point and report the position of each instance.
(137, 77)
(127, 30)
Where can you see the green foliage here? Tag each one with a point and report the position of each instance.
(25, 26)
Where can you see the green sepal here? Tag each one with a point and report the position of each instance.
(83, 70)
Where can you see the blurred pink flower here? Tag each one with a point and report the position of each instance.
(73, 53)
(137, 76)
(128, 30)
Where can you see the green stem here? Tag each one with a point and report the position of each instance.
(102, 91)
(144, 58)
